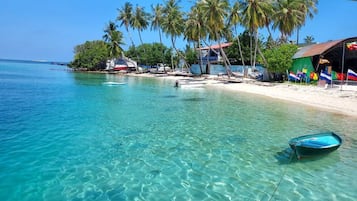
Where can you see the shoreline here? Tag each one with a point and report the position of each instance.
(329, 99)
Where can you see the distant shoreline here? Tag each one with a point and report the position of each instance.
(35, 61)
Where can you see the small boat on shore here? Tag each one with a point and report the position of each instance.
(315, 144)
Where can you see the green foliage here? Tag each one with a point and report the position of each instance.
(309, 40)
(206, 21)
(191, 55)
(279, 58)
(233, 50)
(150, 54)
(114, 39)
(91, 55)
(173, 22)
(214, 14)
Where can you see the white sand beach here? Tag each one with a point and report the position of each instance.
(330, 99)
(335, 99)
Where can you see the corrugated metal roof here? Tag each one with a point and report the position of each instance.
(223, 45)
(315, 49)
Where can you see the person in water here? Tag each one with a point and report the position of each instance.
(177, 84)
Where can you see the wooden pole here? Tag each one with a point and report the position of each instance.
(343, 62)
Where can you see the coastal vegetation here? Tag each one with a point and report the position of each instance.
(279, 58)
(91, 55)
(150, 54)
(207, 22)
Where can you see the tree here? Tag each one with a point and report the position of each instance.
(234, 19)
(279, 58)
(308, 7)
(191, 55)
(232, 53)
(91, 55)
(140, 20)
(195, 30)
(151, 54)
(309, 39)
(114, 39)
(287, 17)
(214, 14)
(173, 23)
(255, 14)
(156, 21)
(156, 18)
(126, 18)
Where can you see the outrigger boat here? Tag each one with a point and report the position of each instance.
(315, 144)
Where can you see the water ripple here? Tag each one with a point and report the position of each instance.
(73, 139)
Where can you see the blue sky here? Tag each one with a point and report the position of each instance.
(49, 30)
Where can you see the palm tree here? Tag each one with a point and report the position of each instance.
(309, 39)
(234, 19)
(173, 23)
(156, 21)
(308, 7)
(287, 17)
(255, 15)
(114, 39)
(214, 14)
(194, 29)
(140, 21)
(126, 18)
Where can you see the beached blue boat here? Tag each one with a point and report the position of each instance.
(315, 144)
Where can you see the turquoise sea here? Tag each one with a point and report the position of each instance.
(67, 136)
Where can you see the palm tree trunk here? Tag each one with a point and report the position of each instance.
(297, 35)
(141, 40)
(256, 47)
(239, 47)
(162, 55)
(251, 47)
(262, 55)
(132, 43)
(131, 38)
(178, 52)
(200, 55)
(160, 36)
(225, 59)
(251, 52)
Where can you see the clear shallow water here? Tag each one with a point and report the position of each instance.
(66, 136)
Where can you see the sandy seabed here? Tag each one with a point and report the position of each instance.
(338, 98)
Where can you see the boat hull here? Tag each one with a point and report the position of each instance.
(315, 144)
(120, 68)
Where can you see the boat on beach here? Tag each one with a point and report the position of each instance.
(121, 64)
(315, 144)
